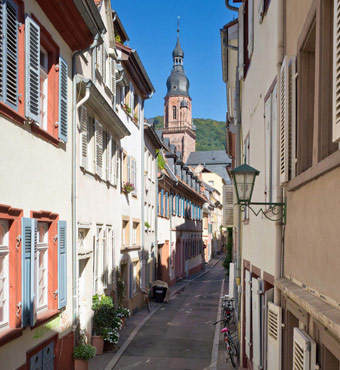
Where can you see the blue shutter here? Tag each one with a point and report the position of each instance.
(171, 203)
(9, 53)
(48, 357)
(62, 265)
(32, 69)
(162, 207)
(63, 76)
(36, 361)
(29, 271)
(166, 204)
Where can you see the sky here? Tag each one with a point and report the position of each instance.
(151, 26)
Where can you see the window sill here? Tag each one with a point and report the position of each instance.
(45, 135)
(45, 316)
(9, 334)
(329, 163)
(129, 249)
(12, 114)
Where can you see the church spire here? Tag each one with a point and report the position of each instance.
(178, 53)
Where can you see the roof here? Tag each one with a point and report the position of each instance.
(221, 171)
(178, 51)
(212, 157)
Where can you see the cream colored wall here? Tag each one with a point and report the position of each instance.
(312, 252)
(258, 244)
(218, 181)
(37, 176)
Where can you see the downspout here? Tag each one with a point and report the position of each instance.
(74, 178)
(141, 125)
(280, 193)
(230, 7)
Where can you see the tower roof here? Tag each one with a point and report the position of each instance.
(177, 83)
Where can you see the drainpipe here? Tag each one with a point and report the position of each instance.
(141, 125)
(279, 230)
(230, 7)
(74, 180)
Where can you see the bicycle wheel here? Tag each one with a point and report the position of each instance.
(233, 354)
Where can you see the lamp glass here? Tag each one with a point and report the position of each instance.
(244, 183)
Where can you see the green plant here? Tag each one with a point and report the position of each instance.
(118, 39)
(147, 225)
(120, 288)
(123, 312)
(229, 253)
(106, 322)
(160, 160)
(84, 351)
(135, 117)
(128, 187)
(127, 108)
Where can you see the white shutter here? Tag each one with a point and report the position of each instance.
(268, 297)
(109, 157)
(128, 169)
(274, 336)
(135, 175)
(83, 136)
(104, 57)
(99, 148)
(304, 351)
(260, 10)
(113, 76)
(257, 319)
(292, 115)
(241, 41)
(248, 313)
(336, 72)
(268, 147)
(228, 205)
(114, 162)
(231, 279)
(250, 28)
(274, 144)
(284, 140)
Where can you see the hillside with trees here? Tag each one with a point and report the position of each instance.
(210, 133)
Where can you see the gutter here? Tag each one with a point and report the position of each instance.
(96, 42)
(91, 16)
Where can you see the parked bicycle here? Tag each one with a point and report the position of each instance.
(230, 346)
(228, 308)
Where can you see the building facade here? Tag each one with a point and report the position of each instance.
(37, 310)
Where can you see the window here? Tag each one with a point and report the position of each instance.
(136, 233)
(43, 87)
(4, 273)
(136, 109)
(96, 267)
(174, 113)
(46, 102)
(211, 182)
(125, 234)
(105, 259)
(42, 248)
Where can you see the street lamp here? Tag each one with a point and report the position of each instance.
(244, 180)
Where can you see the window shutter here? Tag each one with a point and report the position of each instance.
(304, 351)
(162, 206)
(113, 76)
(260, 10)
(256, 320)
(29, 271)
(36, 361)
(62, 265)
(228, 205)
(248, 312)
(48, 356)
(63, 74)
(166, 204)
(99, 148)
(292, 116)
(104, 64)
(32, 67)
(268, 147)
(274, 320)
(83, 136)
(128, 169)
(109, 157)
(336, 72)
(9, 53)
(284, 143)
(250, 28)
(241, 41)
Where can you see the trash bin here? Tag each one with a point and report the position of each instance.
(159, 293)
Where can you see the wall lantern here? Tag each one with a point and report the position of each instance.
(244, 180)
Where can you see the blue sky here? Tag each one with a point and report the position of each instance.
(151, 26)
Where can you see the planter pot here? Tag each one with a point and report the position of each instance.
(81, 364)
(109, 347)
(98, 342)
(123, 322)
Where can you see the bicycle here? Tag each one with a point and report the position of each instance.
(229, 343)
(228, 308)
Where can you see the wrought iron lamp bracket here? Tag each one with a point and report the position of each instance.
(276, 211)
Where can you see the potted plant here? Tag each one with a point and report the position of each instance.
(135, 118)
(147, 226)
(128, 187)
(123, 314)
(82, 353)
(127, 108)
(106, 323)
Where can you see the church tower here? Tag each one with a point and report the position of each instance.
(177, 107)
